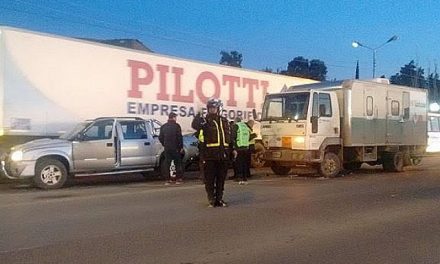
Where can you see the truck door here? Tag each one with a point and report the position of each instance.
(325, 115)
(135, 144)
(394, 123)
(95, 151)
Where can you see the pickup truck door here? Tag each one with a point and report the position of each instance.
(95, 151)
(136, 144)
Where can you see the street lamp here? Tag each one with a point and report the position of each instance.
(356, 44)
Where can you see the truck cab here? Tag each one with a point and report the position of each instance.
(295, 125)
(101, 146)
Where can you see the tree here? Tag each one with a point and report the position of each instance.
(301, 67)
(317, 70)
(298, 67)
(433, 85)
(267, 69)
(410, 75)
(232, 58)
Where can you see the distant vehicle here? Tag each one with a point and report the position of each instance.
(103, 146)
(433, 133)
(344, 124)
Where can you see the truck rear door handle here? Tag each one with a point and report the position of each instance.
(147, 143)
(109, 144)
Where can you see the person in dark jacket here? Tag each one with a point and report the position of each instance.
(171, 138)
(216, 155)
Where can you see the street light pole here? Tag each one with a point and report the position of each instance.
(356, 44)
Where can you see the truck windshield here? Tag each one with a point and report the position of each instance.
(286, 106)
(72, 134)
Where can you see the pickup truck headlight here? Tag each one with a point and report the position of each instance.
(17, 155)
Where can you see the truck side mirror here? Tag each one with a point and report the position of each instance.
(314, 121)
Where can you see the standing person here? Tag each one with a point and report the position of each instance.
(253, 136)
(217, 141)
(171, 138)
(242, 133)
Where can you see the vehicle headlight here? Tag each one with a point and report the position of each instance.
(17, 155)
(299, 140)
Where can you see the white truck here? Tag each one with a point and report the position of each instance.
(49, 83)
(343, 124)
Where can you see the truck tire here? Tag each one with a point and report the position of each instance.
(393, 161)
(330, 166)
(280, 170)
(257, 157)
(416, 161)
(50, 174)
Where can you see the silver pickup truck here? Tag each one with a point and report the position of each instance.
(96, 147)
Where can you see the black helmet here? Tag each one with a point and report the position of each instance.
(217, 103)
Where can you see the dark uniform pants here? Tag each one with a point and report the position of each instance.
(215, 175)
(177, 158)
(242, 164)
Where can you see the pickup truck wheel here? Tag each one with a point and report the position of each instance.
(330, 166)
(50, 174)
(280, 170)
(257, 157)
(393, 161)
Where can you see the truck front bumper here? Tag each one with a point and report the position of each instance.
(292, 156)
(17, 170)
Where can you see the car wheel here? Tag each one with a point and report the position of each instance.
(50, 174)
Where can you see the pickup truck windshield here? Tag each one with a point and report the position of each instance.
(71, 135)
(286, 106)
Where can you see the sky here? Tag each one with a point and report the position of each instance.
(267, 33)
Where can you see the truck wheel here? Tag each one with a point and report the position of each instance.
(257, 157)
(352, 165)
(50, 174)
(330, 166)
(393, 161)
(280, 170)
(416, 161)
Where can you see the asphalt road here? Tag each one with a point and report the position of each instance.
(364, 217)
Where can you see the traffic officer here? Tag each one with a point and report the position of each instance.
(217, 140)
(242, 133)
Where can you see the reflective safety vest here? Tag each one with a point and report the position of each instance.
(219, 130)
(243, 135)
(201, 137)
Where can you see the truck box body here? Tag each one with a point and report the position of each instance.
(350, 121)
(381, 114)
(48, 83)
